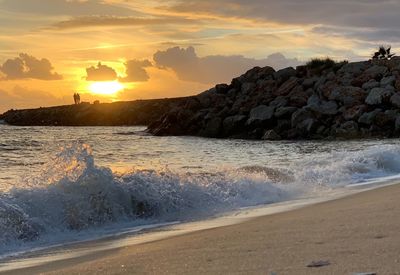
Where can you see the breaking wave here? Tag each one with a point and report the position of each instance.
(72, 194)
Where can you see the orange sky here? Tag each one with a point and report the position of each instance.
(51, 48)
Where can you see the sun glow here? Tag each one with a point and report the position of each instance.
(106, 88)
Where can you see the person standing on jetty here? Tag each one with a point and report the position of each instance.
(77, 98)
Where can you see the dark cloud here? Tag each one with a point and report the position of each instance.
(65, 7)
(136, 71)
(101, 73)
(101, 21)
(26, 66)
(365, 19)
(212, 69)
(366, 34)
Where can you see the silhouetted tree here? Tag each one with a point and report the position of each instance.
(383, 53)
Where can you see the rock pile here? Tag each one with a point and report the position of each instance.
(348, 100)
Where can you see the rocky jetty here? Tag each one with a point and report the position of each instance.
(139, 112)
(314, 101)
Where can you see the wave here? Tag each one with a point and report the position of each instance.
(72, 194)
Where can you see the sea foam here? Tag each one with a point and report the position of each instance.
(73, 198)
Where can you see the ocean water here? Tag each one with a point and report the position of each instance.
(67, 184)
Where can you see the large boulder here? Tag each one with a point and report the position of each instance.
(322, 107)
(233, 124)
(212, 128)
(284, 112)
(370, 85)
(300, 116)
(259, 115)
(349, 129)
(354, 68)
(286, 87)
(395, 100)
(348, 95)
(376, 71)
(284, 74)
(387, 81)
(354, 112)
(369, 118)
(378, 96)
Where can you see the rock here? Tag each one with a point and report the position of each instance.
(260, 115)
(285, 112)
(376, 71)
(221, 88)
(370, 84)
(327, 108)
(280, 101)
(397, 124)
(299, 116)
(348, 95)
(213, 128)
(354, 68)
(392, 114)
(233, 124)
(387, 81)
(309, 82)
(257, 73)
(271, 135)
(313, 100)
(284, 74)
(383, 120)
(348, 129)
(286, 87)
(395, 100)
(247, 87)
(307, 127)
(368, 118)
(331, 76)
(283, 125)
(378, 96)
(354, 113)
(322, 107)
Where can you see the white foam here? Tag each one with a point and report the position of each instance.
(73, 199)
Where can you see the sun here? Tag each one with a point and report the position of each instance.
(106, 88)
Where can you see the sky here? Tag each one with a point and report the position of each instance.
(112, 50)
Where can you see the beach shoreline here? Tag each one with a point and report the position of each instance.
(356, 233)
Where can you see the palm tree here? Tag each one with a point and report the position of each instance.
(383, 53)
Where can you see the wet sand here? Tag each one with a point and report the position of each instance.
(356, 234)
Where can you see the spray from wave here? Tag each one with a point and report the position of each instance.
(72, 194)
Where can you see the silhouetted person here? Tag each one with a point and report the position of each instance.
(75, 98)
(78, 98)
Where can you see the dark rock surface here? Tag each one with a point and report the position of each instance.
(140, 112)
(350, 100)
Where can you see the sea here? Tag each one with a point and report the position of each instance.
(60, 185)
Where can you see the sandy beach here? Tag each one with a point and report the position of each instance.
(356, 234)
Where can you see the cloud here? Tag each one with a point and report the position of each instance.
(65, 7)
(363, 19)
(22, 97)
(101, 73)
(26, 66)
(216, 68)
(136, 71)
(103, 20)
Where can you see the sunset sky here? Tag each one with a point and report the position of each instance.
(123, 50)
